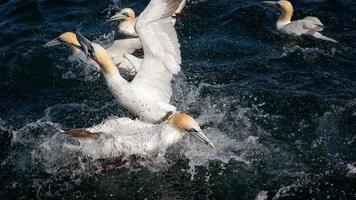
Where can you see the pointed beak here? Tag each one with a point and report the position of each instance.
(52, 43)
(201, 136)
(270, 3)
(85, 45)
(117, 17)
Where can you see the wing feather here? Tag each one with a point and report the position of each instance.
(313, 24)
(308, 26)
(162, 56)
(157, 33)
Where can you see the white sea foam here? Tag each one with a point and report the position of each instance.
(351, 169)
(308, 53)
(285, 192)
(262, 195)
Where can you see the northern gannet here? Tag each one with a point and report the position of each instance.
(148, 95)
(307, 26)
(127, 19)
(116, 51)
(121, 135)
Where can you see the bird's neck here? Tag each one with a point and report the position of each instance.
(110, 70)
(285, 17)
(116, 84)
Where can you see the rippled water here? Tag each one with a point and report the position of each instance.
(281, 111)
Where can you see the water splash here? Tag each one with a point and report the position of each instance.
(308, 53)
(124, 138)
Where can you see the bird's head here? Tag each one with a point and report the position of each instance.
(125, 14)
(69, 38)
(187, 125)
(95, 52)
(283, 5)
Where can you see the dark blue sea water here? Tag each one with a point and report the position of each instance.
(286, 105)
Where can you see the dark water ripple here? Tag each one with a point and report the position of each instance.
(297, 96)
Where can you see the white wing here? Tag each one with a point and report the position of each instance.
(162, 56)
(157, 34)
(313, 23)
(308, 26)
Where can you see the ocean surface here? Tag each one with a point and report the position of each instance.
(281, 110)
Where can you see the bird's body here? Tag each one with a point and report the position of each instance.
(308, 26)
(123, 136)
(150, 105)
(116, 136)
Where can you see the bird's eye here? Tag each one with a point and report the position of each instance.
(126, 14)
(192, 130)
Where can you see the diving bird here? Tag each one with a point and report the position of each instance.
(148, 94)
(121, 135)
(307, 26)
(116, 51)
(127, 19)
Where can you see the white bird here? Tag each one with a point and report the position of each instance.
(123, 136)
(127, 19)
(116, 50)
(148, 95)
(307, 26)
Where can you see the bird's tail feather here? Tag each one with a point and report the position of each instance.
(323, 37)
(81, 134)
